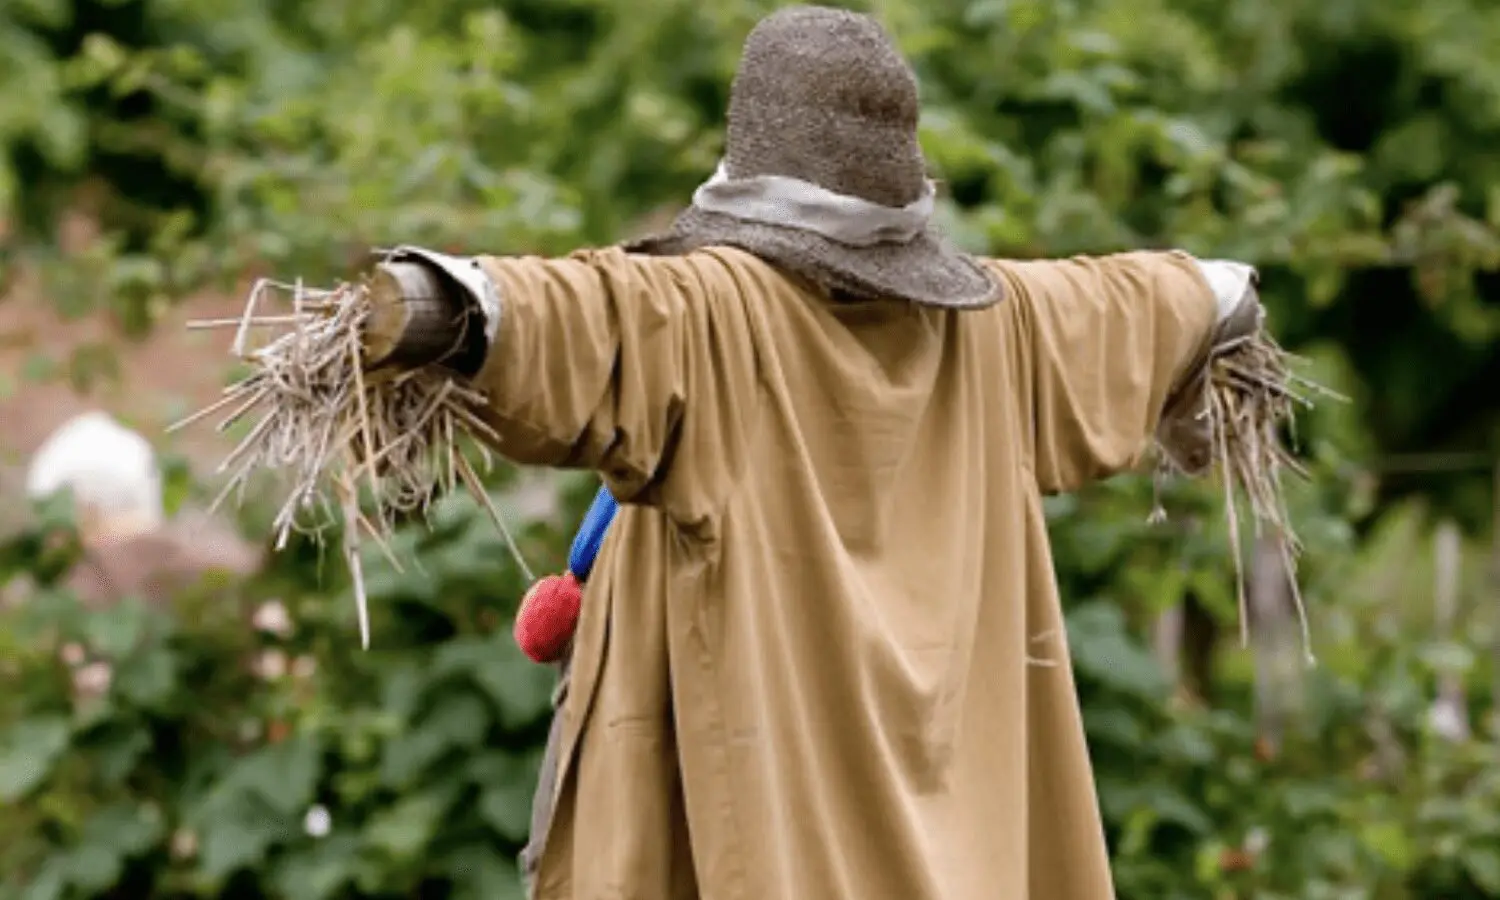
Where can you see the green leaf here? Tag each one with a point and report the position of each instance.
(283, 775)
(1114, 727)
(1104, 650)
(1389, 841)
(117, 631)
(1182, 743)
(460, 719)
(403, 831)
(116, 751)
(51, 883)
(1163, 801)
(148, 680)
(508, 785)
(459, 722)
(521, 689)
(479, 873)
(1483, 865)
(401, 690)
(507, 809)
(51, 13)
(320, 871)
(238, 835)
(28, 751)
(1172, 806)
(111, 837)
(1307, 801)
(1450, 657)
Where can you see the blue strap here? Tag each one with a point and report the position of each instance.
(591, 533)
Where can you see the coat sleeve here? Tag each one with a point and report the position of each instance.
(638, 367)
(1101, 345)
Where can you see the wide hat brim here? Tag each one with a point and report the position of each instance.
(926, 270)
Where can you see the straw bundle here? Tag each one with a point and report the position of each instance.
(1252, 395)
(334, 425)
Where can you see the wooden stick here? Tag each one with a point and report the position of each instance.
(414, 321)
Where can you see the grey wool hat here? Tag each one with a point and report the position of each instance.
(822, 173)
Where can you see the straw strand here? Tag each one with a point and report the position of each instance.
(330, 427)
(1252, 394)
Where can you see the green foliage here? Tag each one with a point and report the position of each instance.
(1345, 147)
(184, 753)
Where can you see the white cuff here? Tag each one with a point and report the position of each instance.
(466, 272)
(1228, 280)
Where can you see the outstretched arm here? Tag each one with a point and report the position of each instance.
(1112, 352)
(638, 367)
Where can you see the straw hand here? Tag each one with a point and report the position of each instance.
(1185, 434)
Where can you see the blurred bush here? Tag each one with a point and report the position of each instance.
(1346, 147)
(239, 744)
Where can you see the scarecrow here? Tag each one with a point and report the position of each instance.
(804, 663)
(820, 654)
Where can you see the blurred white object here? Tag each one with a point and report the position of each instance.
(73, 654)
(304, 667)
(1448, 720)
(184, 844)
(271, 665)
(111, 470)
(273, 618)
(93, 681)
(129, 546)
(1449, 715)
(318, 822)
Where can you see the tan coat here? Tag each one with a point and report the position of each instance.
(801, 671)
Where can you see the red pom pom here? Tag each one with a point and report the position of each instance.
(548, 617)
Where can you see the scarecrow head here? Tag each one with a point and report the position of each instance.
(822, 172)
